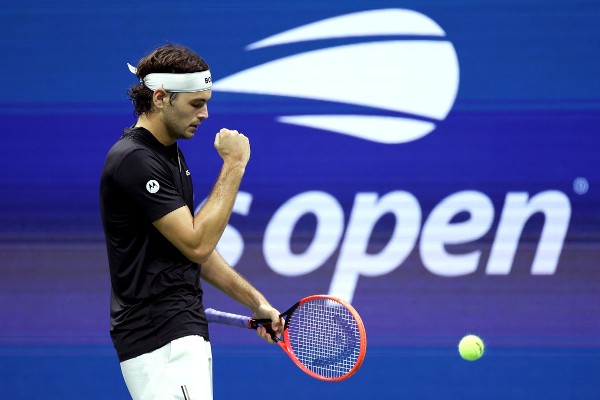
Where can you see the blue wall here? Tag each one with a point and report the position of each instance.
(462, 197)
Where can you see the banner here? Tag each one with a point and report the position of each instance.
(435, 164)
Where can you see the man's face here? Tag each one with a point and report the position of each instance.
(183, 113)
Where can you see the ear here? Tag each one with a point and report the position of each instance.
(159, 97)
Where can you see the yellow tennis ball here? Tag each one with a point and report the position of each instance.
(471, 347)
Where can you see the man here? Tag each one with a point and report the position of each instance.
(157, 249)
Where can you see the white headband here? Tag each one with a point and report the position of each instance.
(187, 83)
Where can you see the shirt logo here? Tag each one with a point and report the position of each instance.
(405, 79)
(152, 186)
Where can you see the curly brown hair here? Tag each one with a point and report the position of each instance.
(170, 58)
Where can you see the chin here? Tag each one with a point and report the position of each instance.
(187, 135)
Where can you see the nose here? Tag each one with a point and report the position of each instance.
(203, 113)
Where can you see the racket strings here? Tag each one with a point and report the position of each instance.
(325, 337)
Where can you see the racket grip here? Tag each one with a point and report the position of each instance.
(220, 317)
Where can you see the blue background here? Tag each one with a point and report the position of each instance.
(526, 119)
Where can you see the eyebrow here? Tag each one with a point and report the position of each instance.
(202, 99)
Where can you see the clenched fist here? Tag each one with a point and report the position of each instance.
(233, 147)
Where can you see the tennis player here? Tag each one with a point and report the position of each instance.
(157, 249)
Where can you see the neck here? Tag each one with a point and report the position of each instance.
(152, 123)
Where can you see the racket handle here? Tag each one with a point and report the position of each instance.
(220, 317)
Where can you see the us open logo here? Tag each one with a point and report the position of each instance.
(409, 72)
(152, 186)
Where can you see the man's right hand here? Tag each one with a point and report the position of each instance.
(233, 147)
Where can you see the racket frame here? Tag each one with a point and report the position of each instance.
(285, 345)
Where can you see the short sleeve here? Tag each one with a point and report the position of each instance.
(149, 184)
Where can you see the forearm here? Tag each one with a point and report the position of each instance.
(196, 236)
(218, 273)
(212, 218)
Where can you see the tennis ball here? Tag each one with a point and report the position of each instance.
(471, 347)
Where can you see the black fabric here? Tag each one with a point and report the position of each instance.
(156, 295)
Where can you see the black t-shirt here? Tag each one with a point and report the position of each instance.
(156, 295)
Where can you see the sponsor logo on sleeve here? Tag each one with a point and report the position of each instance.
(152, 186)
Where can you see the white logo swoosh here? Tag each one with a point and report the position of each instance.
(391, 21)
(368, 127)
(414, 77)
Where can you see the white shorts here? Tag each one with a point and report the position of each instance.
(180, 370)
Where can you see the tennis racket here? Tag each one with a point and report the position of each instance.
(323, 335)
